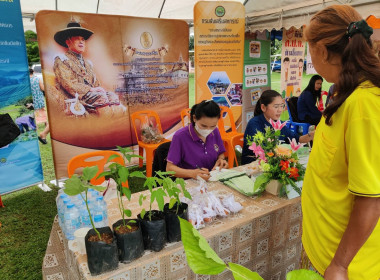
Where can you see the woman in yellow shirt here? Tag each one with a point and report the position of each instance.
(341, 192)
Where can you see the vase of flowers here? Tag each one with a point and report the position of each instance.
(277, 161)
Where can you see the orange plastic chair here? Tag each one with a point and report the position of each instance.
(230, 138)
(98, 158)
(185, 113)
(138, 118)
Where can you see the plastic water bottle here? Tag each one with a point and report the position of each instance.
(72, 221)
(98, 221)
(100, 208)
(61, 212)
(84, 216)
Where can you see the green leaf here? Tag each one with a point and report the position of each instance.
(241, 273)
(73, 186)
(98, 188)
(141, 199)
(172, 202)
(159, 195)
(260, 183)
(132, 222)
(126, 192)
(123, 173)
(137, 174)
(200, 257)
(142, 213)
(105, 174)
(128, 212)
(303, 274)
(90, 172)
(112, 157)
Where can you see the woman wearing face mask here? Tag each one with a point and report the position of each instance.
(269, 106)
(198, 148)
(307, 102)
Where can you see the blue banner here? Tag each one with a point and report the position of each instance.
(20, 161)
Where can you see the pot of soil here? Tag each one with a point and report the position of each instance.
(102, 255)
(153, 231)
(129, 240)
(173, 229)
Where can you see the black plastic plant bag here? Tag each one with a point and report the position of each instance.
(130, 245)
(101, 257)
(154, 232)
(173, 228)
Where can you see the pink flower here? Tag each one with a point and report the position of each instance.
(294, 145)
(277, 125)
(259, 152)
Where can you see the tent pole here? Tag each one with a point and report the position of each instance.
(97, 7)
(56, 5)
(163, 3)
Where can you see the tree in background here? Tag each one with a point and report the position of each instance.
(32, 49)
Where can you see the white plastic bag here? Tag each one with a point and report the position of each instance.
(232, 205)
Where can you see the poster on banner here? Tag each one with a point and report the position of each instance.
(20, 161)
(310, 70)
(256, 74)
(292, 56)
(219, 50)
(99, 69)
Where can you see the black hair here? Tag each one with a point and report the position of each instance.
(311, 87)
(31, 71)
(286, 59)
(207, 108)
(266, 98)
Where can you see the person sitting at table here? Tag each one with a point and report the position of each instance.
(307, 102)
(198, 148)
(269, 106)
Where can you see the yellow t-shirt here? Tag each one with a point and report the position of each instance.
(344, 162)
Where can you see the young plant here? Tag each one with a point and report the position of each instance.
(202, 259)
(173, 188)
(79, 184)
(158, 194)
(120, 174)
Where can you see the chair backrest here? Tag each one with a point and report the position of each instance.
(185, 113)
(291, 103)
(160, 157)
(221, 124)
(98, 158)
(141, 117)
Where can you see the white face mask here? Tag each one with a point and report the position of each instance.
(203, 132)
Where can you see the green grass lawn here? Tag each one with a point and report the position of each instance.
(27, 217)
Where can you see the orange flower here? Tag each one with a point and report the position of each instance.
(284, 165)
(283, 151)
(270, 154)
(294, 173)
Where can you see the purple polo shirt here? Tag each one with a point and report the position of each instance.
(188, 151)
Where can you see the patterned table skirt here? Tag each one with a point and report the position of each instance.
(265, 237)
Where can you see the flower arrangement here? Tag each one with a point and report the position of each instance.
(278, 162)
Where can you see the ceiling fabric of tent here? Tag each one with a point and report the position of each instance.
(260, 14)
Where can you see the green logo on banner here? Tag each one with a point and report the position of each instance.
(220, 11)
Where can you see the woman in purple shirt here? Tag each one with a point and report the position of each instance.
(198, 148)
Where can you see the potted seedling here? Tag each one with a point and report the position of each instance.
(174, 208)
(101, 248)
(153, 221)
(127, 231)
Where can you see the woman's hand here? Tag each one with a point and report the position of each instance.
(221, 163)
(335, 272)
(201, 172)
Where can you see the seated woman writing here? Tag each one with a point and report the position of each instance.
(198, 148)
(307, 102)
(269, 106)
